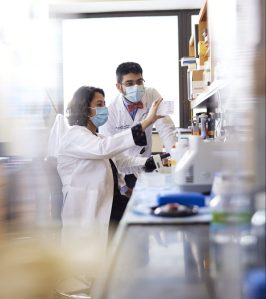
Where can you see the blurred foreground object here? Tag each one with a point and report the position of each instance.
(30, 269)
(58, 129)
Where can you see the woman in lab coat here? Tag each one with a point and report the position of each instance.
(88, 162)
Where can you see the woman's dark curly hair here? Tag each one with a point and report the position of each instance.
(78, 108)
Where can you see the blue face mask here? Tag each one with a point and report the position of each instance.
(100, 117)
(134, 93)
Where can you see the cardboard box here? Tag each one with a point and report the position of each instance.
(192, 66)
(196, 75)
(197, 82)
(202, 48)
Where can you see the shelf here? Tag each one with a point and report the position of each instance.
(200, 100)
(203, 12)
(191, 49)
(206, 55)
(191, 41)
(205, 98)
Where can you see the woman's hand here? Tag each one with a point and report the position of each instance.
(152, 116)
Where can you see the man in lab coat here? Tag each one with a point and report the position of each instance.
(130, 107)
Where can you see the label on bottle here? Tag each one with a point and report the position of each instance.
(231, 217)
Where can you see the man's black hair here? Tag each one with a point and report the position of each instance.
(126, 68)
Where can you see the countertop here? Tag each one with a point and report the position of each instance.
(157, 257)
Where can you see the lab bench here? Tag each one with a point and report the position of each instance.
(157, 257)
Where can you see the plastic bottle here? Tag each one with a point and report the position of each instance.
(203, 118)
(231, 213)
(173, 159)
(165, 161)
(195, 128)
(211, 125)
(177, 152)
(253, 252)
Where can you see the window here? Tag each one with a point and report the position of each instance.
(94, 47)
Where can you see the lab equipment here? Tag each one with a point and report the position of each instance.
(175, 210)
(196, 170)
(186, 198)
(178, 204)
(158, 161)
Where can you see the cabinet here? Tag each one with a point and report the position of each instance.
(201, 83)
(198, 42)
(203, 35)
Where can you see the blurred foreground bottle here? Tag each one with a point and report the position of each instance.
(253, 245)
(231, 210)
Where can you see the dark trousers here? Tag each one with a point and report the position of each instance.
(118, 208)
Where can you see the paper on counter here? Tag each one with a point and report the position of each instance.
(166, 108)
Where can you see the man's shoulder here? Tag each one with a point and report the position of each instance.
(116, 103)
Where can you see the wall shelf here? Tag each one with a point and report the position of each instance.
(201, 100)
(203, 12)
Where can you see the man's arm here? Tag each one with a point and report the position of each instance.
(165, 127)
(166, 130)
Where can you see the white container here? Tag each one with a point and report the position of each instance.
(195, 171)
(177, 153)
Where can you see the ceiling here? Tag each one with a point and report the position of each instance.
(93, 6)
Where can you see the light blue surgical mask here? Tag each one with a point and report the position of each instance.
(134, 93)
(101, 116)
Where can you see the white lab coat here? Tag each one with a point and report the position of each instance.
(86, 174)
(119, 120)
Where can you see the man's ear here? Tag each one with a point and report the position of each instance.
(119, 87)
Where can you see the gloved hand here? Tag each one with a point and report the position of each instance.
(155, 162)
